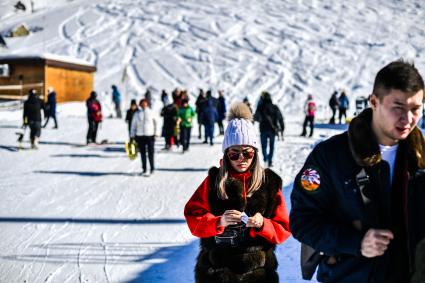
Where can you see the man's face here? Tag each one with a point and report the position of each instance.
(395, 115)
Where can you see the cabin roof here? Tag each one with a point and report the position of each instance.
(52, 60)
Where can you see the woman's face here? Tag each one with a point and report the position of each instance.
(241, 157)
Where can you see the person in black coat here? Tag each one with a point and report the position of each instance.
(333, 104)
(32, 116)
(200, 103)
(271, 125)
(358, 200)
(169, 113)
(51, 107)
(130, 112)
(221, 109)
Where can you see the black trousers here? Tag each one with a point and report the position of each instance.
(92, 132)
(146, 145)
(220, 127)
(310, 120)
(342, 112)
(35, 129)
(53, 115)
(332, 120)
(185, 137)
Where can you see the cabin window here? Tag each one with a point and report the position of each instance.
(4, 70)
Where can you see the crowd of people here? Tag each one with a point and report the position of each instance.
(357, 202)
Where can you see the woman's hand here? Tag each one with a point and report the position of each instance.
(255, 221)
(230, 217)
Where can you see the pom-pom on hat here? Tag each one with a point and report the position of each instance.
(240, 129)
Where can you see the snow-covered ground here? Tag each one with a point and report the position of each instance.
(71, 213)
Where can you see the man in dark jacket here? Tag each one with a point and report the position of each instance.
(271, 125)
(32, 116)
(51, 107)
(94, 117)
(358, 200)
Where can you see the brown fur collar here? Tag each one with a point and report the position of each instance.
(364, 146)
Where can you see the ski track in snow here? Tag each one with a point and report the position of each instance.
(244, 47)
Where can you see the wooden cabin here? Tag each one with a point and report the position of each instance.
(72, 79)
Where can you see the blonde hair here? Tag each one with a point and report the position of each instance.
(257, 176)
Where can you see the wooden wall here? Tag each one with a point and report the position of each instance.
(32, 77)
(70, 85)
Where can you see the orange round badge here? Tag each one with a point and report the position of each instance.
(310, 180)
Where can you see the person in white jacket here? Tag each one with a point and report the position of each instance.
(144, 129)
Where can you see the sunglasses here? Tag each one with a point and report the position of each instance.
(246, 154)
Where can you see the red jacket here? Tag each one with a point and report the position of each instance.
(203, 224)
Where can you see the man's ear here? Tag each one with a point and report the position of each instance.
(373, 100)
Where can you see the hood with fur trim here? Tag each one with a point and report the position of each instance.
(365, 149)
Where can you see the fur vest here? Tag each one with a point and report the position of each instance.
(254, 259)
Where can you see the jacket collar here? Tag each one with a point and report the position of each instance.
(365, 149)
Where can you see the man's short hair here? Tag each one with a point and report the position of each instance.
(397, 75)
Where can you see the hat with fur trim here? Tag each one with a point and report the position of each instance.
(240, 129)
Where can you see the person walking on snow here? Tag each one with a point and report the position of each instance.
(94, 117)
(333, 104)
(221, 108)
(343, 103)
(169, 113)
(310, 111)
(185, 119)
(359, 199)
(238, 211)
(271, 125)
(209, 117)
(116, 98)
(130, 113)
(51, 107)
(32, 116)
(144, 129)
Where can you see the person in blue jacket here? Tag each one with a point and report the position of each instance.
(343, 104)
(209, 117)
(359, 199)
(116, 98)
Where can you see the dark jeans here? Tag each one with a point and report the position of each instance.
(118, 109)
(92, 132)
(209, 133)
(308, 119)
(168, 141)
(185, 137)
(342, 112)
(146, 142)
(35, 129)
(332, 120)
(266, 137)
(220, 127)
(53, 115)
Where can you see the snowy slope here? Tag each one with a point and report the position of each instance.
(71, 213)
(290, 48)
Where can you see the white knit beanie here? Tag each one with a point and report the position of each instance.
(240, 129)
